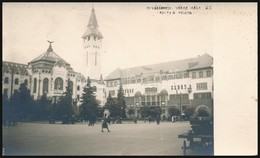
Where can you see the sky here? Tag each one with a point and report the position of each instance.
(133, 35)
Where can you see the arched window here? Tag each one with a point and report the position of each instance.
(58, 84)
(16, 81)
(6, 80)
(71, 86)
(45, 85)
(78, 88)
(26, 82)
(170, 77)
(94, 88)
(34, 85)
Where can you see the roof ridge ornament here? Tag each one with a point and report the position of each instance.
(50, 48)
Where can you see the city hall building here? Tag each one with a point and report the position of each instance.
(180, 83)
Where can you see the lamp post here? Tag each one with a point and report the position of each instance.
(39, 85)
(180, 107)
(189, 91)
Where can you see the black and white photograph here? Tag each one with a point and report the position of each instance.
(109, 79)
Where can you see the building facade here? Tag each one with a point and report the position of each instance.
(182, 83)
(49, 73)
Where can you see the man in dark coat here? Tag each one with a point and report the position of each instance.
(105, 125)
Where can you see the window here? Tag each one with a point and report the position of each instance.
(132, 80)
(71, 86)
(78, 87)
(16, 81)
(193, 74)
(88, 38)
(170, 77)
(26, 82)
(185, 86)
(138, 80)
(202, 96)
(181, 86)
(112, 92)
(208, 73)
(186, 75)
(58, 84)
(45, 85)
(201, 74)
(175, 87)
(202, 86)
(178, 86)
(6, 80)
(34, 85)
(171, 87)
(151, 90)
(5, 92)
(94, 88)
(78, 97)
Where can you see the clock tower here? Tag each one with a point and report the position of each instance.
(92, 43)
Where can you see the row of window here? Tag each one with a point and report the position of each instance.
(179, 87)
(202, 86)
(129, 91)
(94, 46)
(17, 72)
(202, 96)
(95, 38)
(201, 74)
(157, 78)
(16, 81)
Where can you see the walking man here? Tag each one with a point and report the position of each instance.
(105, 125)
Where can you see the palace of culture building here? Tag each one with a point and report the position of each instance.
(180, 83)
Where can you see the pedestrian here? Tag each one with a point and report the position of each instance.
(135, 120)
(105, 125)
(158, 120)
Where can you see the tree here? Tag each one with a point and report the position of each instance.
(90, 105)
(121, 103)
(153, 112)
(112, 107)
(65, 104)
(131, 112)
(189, 112)
(44, 106)
(6, 109)
(173, 111)
(22, 103)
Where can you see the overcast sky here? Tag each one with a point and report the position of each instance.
(133, 34)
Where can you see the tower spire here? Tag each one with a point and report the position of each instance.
(92, 23)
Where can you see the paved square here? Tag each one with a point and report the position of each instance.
(80, 139)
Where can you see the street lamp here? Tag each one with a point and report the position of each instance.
(180, 107)
(189, 91)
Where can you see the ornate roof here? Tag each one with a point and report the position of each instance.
(48, 60)
(92, 26)
(16, 68)
(199, 62)
(49, 55)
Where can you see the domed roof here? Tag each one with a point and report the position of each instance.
(49, 55)
(48, 60)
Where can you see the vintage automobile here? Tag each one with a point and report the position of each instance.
(201, 136)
